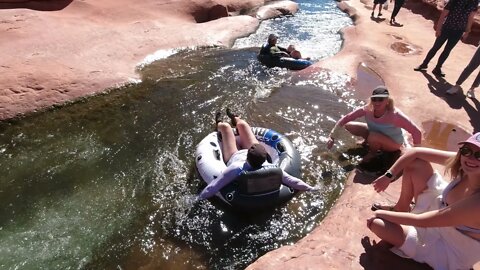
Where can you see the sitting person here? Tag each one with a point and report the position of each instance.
(443, 228)
(383, 130)
(251, 156)
(293, 52)
(271, 48)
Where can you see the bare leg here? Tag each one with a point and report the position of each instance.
(247, 138)
(357, 129)
(229, 143)
(378, 141)
(414, 182)
(393, 233)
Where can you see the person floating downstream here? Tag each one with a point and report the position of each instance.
(252, 156)
(271, 48)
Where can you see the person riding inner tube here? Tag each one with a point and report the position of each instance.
(273, 55)
(243, 178)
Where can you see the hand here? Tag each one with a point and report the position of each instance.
(381, 183)
(315, 189)
(370, 221)
(330, 142)
(465, 36)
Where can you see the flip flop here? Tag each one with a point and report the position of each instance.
(377, 206)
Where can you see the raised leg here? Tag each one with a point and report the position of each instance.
(378, 141)
(357, 129)
(414, 181)
(247, 138)
(229, 143)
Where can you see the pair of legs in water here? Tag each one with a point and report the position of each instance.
(375, 141)
(229, 143)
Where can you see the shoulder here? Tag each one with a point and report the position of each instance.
(398, 113)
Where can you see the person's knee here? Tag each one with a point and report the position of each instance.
(382, 142)
(376, 225)
(223, 126)
(418, 165)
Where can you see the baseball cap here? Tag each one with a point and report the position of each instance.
(380, 91)
(474, 139)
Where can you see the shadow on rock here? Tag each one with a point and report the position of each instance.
(377, 256)
(438, 86)
(51, 5)
(364, 178)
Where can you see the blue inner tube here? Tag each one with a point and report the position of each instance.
(284, 157)
(283, 62)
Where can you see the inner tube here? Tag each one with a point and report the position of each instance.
(254, 190)
(283, 62)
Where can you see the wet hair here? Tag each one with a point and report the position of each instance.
(390, 105)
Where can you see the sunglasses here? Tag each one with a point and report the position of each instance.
(467, 151)
(377, 99)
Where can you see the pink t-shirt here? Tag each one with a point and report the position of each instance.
(389, 124)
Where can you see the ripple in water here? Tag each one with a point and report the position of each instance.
(108, 182)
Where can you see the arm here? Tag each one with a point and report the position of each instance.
(340, 123)
(213, 187)
(459, 213)
(283, 49)
(469, 24)
(294, 182)
(427, 154)
(404, 122)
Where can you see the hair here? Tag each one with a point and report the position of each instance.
(390, 105)
(453, 166)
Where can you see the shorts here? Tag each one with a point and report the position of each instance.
(379, 1)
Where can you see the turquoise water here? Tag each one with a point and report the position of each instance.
(107, 182)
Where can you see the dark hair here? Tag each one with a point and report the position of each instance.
(256, 155)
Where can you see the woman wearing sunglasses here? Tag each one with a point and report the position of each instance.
(383, 128)
(443, 229)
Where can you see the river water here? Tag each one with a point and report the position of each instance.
(107, 182)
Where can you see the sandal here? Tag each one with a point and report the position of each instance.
(377, 206)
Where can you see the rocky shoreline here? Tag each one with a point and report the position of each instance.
(375, 51)
(50, 58)
(57, 51)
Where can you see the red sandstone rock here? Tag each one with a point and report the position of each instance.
(342, 240)
(57, 51)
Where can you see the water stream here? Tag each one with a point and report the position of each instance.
(107, 182)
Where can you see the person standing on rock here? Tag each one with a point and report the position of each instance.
(474, 63)
(443, 228)
(383, 128)
(380, 4)
(455, 23)
(396, 9)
